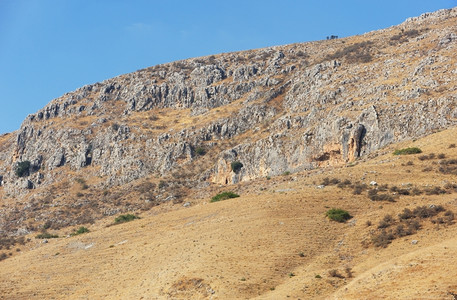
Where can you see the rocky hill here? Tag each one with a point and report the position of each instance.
(170, 132)
(272, 242)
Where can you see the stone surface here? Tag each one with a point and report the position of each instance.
(279, 109)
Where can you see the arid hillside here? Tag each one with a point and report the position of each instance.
(272, 242)
(294, 130)
(163, 133)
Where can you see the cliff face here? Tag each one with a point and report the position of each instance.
(275, 110)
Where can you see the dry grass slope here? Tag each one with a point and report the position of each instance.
(273, 242)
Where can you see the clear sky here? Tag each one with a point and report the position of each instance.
(50, 47)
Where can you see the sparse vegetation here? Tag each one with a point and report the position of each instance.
(82, 182)
(272, 115)
(22, 168)
(383, 239)
(415, 192)
(335, 273)
(115, 127)
(386, 221)
(344, 183)
(356, 53)
(338, 215)
(407, 151)
(47, 225)
(448, 166)
(162, 184)
(427, 157)
(301, 54)
(224, 196)
(374, 196)
(359, 188)
(330, 181)
(424, 212)
(7, 242)
(80, 230)
(400, 191)
(408, 223)
(46, 235)
(404, 36)
(200, 151)
(449, 216)
(406, 214)
(236, 166)
(125, 218)
(435, 191)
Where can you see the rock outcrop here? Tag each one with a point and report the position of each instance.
(280, 109)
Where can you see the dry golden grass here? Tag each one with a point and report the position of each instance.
(268, 244)
(5, 141)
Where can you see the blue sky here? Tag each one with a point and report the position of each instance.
(50, 47)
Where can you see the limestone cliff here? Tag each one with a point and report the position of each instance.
(275, 110)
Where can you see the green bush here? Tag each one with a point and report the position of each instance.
(46, 235)
(224, 196)
(22, 168)
(125, 218)
(236, 166)
(80, 230)
(338, 215)
(407, 151)
(200, 151)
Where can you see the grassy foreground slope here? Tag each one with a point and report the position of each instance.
(272, 242)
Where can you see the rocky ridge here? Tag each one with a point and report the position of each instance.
(164, 130)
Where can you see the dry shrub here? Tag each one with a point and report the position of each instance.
(387, 221)
(383, 239)
(356, 53)
(335, 273)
